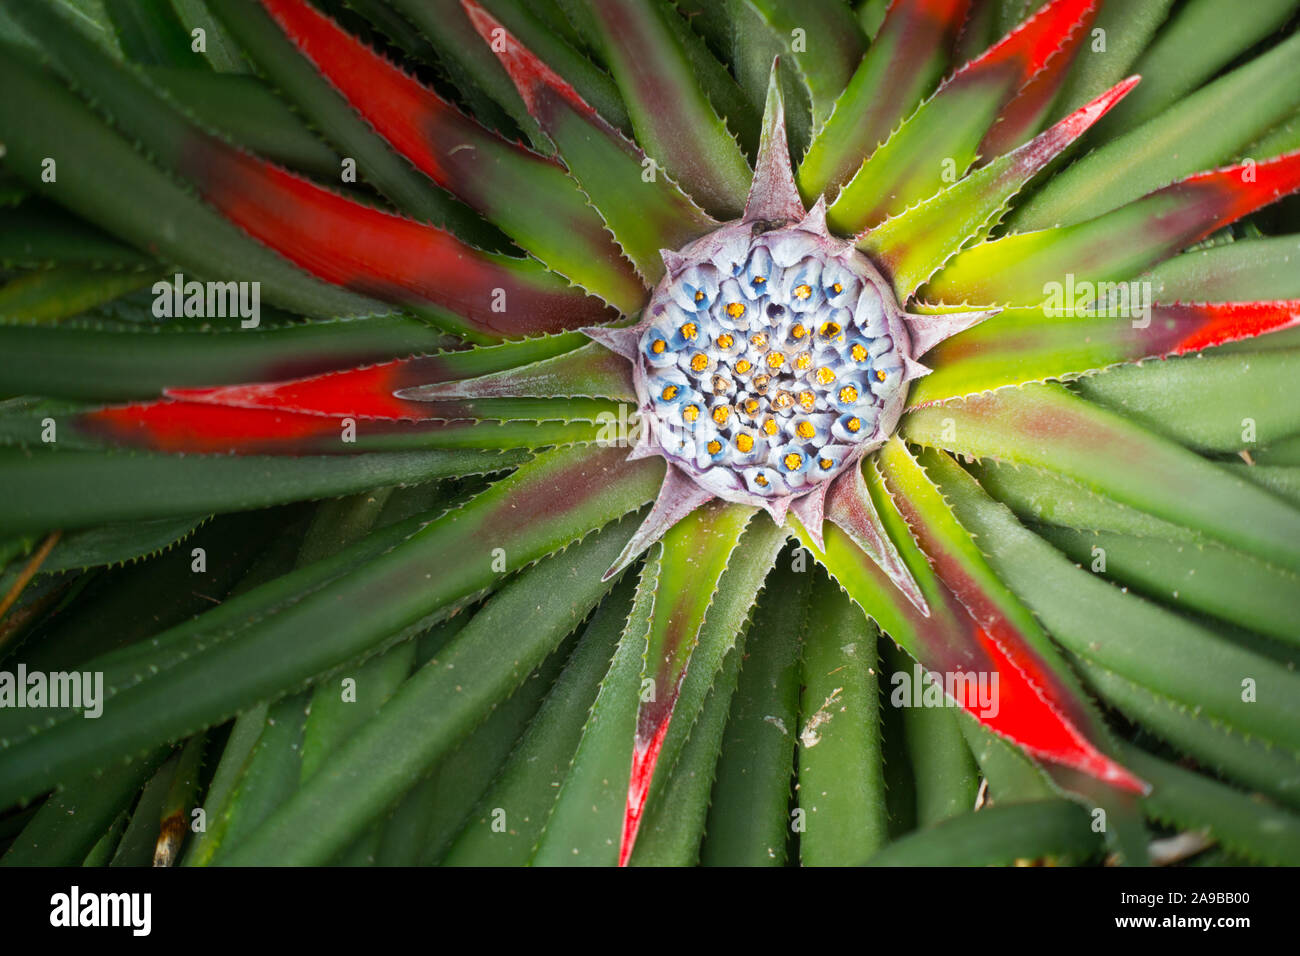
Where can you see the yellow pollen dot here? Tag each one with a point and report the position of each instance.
(669, 393)
(831, 329)
(770, 426)
(859, 353)
(658, 346)
(760, 382)
(805, 430)
(721, 414)
(725, 341)
(880, 375)
(759, 280)
(826, 463)
(743, 366)
(792, 461)
(825, 376)
(759, 339)
(837, 288)
(853, 424)
(699, 295)
(848, 394)
(699, 362)
(691, 412)
(802, 291)
(744, 443)
(689, 331)
(783, 400)
(775, 359)
(714, 447)
(751, 406)
(807, 400)
(799, 331)
(735, 309)
(802, 361)
(760, 480)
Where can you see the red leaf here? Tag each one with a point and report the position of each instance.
(210, 429)
(645, 755)
(386, 255)
(1026, 50)
(359, 392)
(1023, 116)
(1214, 323)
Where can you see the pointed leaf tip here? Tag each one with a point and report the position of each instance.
(773, 193)
(927, 331)
(645, 449)
(673, 261)
(815, 220)
(365, 392)
(777, 508)
(589, 371)
(644, 758)
(849, 507)
(529, 74)
(621, 341)
(912, 369)
(810, 509)
(1089, 113)
(678, 496)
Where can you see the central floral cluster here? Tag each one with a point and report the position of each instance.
(768, 368)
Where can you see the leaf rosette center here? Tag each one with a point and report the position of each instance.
(771, 358)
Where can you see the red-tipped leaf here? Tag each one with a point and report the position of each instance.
(913, 245)
(1029, 268)
(902, 65)
(385, 255)
(642, 207)
(942, 137)
(527, 195)
(1028, 345)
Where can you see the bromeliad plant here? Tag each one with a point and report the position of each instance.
(601, 328)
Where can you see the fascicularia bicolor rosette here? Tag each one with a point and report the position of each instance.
(432, 356)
